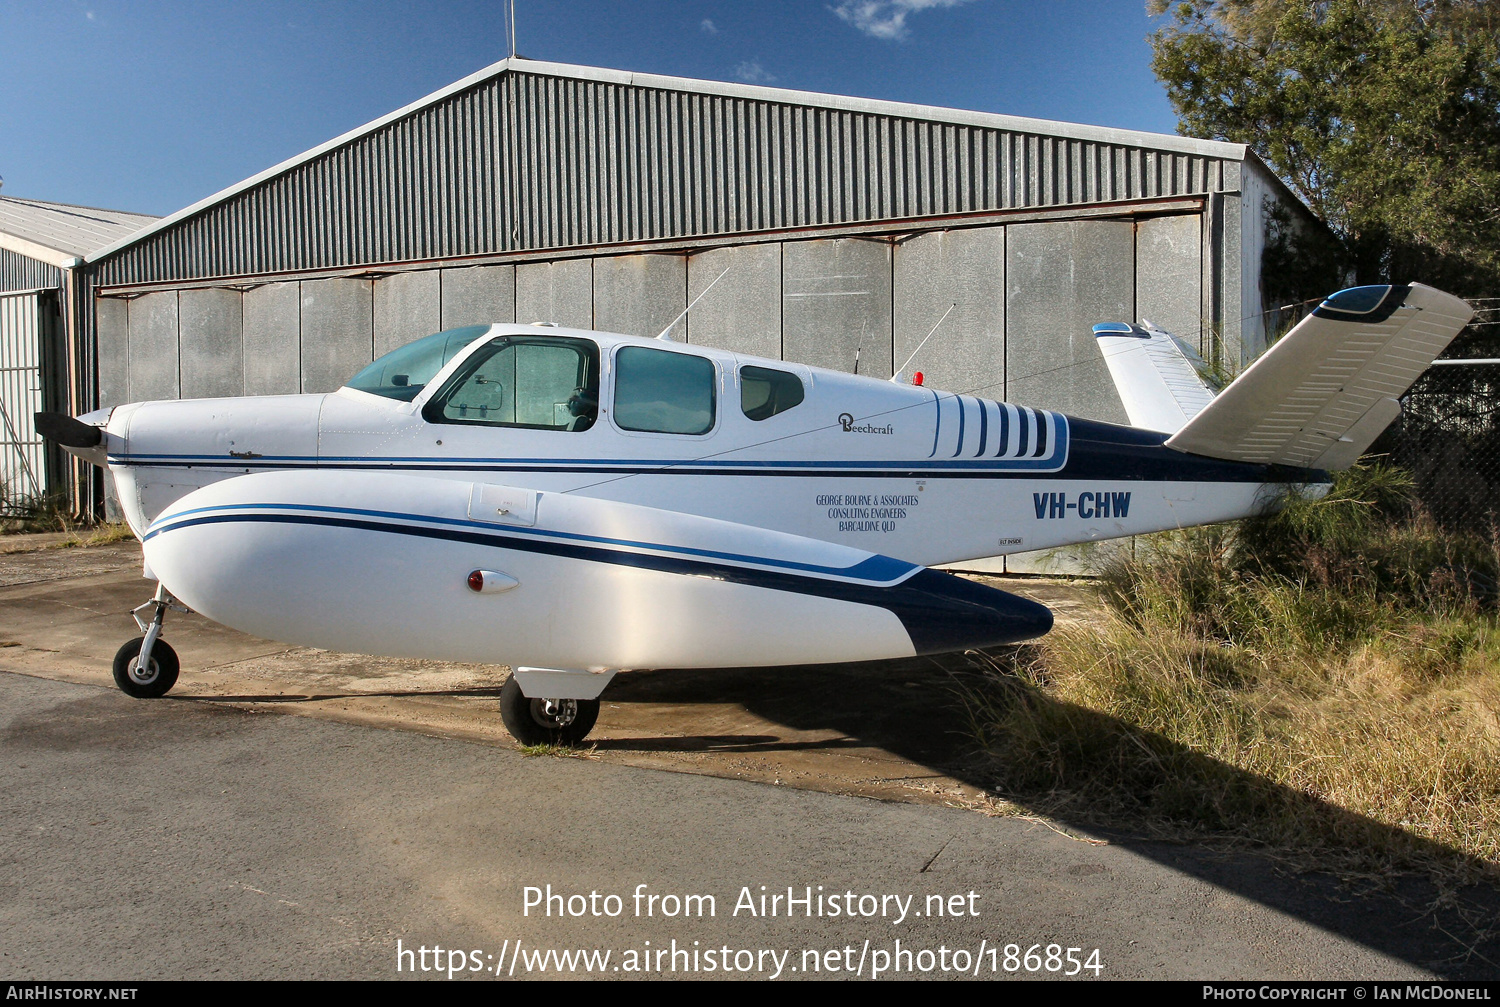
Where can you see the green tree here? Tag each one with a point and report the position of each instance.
(1383, 115)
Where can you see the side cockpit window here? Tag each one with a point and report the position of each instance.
(539, 383)
(402, 374)
(765, 392)
(662, 392)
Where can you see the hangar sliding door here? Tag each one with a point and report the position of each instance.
(29, 375)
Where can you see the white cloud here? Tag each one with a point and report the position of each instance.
(885, 18)
(709, 28)
(752, 72)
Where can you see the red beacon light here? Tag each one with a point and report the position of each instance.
(916, 378)
(490, 581)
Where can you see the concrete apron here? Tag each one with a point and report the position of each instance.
(884, 730)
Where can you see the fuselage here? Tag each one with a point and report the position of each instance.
(919, 474)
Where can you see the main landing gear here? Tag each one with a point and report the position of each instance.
(147, 668)
(546, 721)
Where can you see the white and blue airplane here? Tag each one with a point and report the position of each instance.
(577, 503)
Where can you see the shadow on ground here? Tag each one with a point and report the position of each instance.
(322, 697)
(913, 708)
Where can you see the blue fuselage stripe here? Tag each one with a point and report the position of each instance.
(1084, 449)
(876, 569)
(940, 612)
(783, 467)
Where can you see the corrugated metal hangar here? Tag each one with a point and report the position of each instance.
(604, 199)
(41, 249)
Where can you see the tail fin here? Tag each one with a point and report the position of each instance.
(1160, 378)
(1322, 394)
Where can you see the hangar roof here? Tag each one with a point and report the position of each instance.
(527, 155)
(56, 232)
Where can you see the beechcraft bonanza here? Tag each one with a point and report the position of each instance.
(577, 503)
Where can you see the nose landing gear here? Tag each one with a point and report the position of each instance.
(147, 668)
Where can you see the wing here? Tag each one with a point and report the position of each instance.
(1322, 394)
(382, 563)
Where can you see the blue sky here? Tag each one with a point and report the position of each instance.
(148, 106)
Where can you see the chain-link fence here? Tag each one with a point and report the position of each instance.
(1449, 433)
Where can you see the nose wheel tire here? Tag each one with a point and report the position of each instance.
(152, 681)
(545, 721)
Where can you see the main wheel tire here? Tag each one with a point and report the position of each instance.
(546, 721)
(161, 675)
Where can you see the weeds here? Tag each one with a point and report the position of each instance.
(1324, 679)
(38, 514)
(559, 751)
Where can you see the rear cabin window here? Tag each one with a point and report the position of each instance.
(662, 392)
(540, 383)
(765, 392)
(402, 374)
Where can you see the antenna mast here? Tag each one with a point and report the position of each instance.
(510, 29)
(685, 310)
(897, 376)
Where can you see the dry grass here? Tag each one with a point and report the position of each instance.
(1326, 682)
(52, 514)
(99, 534)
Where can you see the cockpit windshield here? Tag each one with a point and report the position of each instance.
(402, 374)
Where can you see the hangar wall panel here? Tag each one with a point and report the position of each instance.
(1168, 276)
(407, 306)
(112, 324)
(212, 343)
(964, 269)
(836, 302)
(152, 372)
(561, 292)
(1239, 306)
(478, 295)
(1062, 278)
(1086, 559)
(272, 324)
(1259, 195)
(742, 312)
(337, 332)
(639, 295)
(22, 272)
